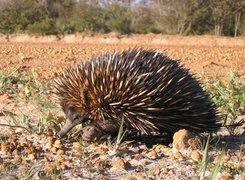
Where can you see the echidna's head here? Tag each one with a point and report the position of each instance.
(69, 90)
(73, 118)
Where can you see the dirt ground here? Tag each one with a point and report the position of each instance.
(50, 56)
(40, 155)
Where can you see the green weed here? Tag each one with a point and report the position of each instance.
(229, 97)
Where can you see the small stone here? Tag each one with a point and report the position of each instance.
(157, 170)
(60, 152)
(225, 177)
(5, 148)
(1, 160)
(58, 143)
(15, 152)
(119, 164)
(144, 163)
(127, 157)
(178, 155)
(217, 159)
(159, 147)
(102, 150)
(77, 145)
(102, 177)
(38, 148)
(195, 155)
(62, 167)
(139, 168)
(165, 170)
(23, 160)
(152, 154)
(18, 159)
(53, 150)
(60, 159)
(172, 157)
(231, 165)
(28, 150)
(180, 139)
(50, 140)
(138, 157)
(140, 177)
(49, 169)
(23, 142)
(31, 156)
(46, 160)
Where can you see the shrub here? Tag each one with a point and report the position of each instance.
(143, 22)
(118, 18)
(45, 26)
(229, 96)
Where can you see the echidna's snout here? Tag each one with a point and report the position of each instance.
(73, 118)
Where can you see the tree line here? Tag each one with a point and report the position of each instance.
(182, 17)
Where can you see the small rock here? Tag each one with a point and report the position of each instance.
(46, 160)
(144, 163)
(102, 177)
(62, 166)
(18, 159)
(157, 170)
(140, 177)
(60, 152)
(23, 142)
(15, 152)
(178, 155)
(49, 169)
(77, 145)
(165, 170)
(53, 150)
(29, 150)
(152, 154)
(159, 147)
(50, 140)
(139, 168)
(1, 160)
(119, 164)
(138, 157)
(195, 155)
(60, 159)
(225, 177)
(31, 156)
(180, 139)
(58, 143)
(5, 148)
(231, 165)
(102, 150)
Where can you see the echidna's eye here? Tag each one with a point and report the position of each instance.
(76, 117)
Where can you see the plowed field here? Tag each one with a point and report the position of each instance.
(47, 57)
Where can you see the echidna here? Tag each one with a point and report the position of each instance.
(150, 92)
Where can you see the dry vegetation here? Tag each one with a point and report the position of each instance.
(29, 117)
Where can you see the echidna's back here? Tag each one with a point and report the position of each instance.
(148, 90)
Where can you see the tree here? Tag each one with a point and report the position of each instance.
(118, 18)
(175, 16)
(238, 8)
(19, 14)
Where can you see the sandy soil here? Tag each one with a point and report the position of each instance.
(213, 56)
(36, 155)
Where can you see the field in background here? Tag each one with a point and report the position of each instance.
(214, 56)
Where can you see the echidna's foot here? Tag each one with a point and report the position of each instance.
(91, 133)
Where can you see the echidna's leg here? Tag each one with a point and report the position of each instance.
(93, 131)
